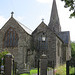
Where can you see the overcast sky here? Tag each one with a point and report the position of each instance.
(30, 13)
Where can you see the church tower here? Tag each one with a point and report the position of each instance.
(54, 23)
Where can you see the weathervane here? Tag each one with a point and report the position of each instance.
(12, 14)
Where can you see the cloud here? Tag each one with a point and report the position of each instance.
(44, 1)
(2, 21)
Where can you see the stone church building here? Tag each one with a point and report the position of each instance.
(26, 46)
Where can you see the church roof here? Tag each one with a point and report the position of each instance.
(64, 36)
(41, 25)
(25, 28)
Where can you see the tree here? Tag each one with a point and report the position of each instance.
(71, 5)
(73, 49)
(2, 55)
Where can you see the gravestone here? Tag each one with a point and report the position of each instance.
(43, 65)
(9, 64)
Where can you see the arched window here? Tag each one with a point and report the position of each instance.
(10, 38)
(58, 44)
(42, 42)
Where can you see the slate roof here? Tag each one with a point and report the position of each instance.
(22, 25)
(64, 36)
(25, 28)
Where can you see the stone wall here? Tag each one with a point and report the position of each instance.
(58, 51)
(63, 53)
(68, 50)
(24, 42)
(50, 51)
(31, 46)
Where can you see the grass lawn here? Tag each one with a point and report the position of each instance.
(24, 74)
(71, 70)
(32, 71)
(61, 70)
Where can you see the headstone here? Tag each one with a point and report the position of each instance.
(9, 64)
(43, 65)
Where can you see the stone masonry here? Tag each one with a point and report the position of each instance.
(27, 46)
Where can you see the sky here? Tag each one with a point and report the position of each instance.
(31, 12)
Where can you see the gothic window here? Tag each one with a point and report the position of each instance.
(58, 48)
(42, 42)
(39, 42)
(10, 38)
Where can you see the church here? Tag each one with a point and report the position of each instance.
(27, 46)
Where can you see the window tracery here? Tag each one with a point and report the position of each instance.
(10, 38)
(42, 42)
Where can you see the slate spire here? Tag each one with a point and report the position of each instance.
(54, 23)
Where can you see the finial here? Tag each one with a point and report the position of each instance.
(12, 14)
(43, 54)
(42, 20)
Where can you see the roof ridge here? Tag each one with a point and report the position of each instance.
(29, 31)
(38, 26)
(23, 25)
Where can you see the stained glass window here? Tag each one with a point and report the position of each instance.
(10, 38)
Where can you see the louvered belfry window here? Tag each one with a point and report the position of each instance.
(10, 38)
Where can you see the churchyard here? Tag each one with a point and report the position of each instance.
(46, 48)
(61, 70)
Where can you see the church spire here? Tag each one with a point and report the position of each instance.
(54, 23)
